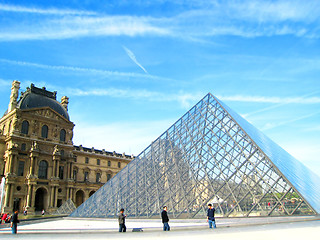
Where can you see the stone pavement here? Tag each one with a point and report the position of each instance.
(227, 228)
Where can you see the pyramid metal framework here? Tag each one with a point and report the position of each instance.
(66, 208)
(210, 155)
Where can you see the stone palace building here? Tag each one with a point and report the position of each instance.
(42, 167)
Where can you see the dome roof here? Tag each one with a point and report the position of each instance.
(36, 97)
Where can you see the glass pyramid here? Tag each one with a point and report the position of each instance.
(210, 155)
(66, 208)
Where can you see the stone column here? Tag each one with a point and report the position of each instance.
(71, 194)
(33, 196)
(56, 158)
(34, 154)
(8, 191)
(29, 196)
(14, 163)
(56, 197)
(54, 168)
(10, 167)
(52, 197)
(70, 173)
(68, 192)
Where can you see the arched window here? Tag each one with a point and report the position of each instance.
(25, 127)
(44, 131)
(63, 135)
(9, 128)
(43, 169)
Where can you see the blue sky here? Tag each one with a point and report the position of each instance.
(132, 68)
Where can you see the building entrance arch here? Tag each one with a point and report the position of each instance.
(41, 199)
(79, 198)
(91, 193)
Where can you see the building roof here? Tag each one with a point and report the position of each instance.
(39, 97)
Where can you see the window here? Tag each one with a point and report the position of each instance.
(20, 168)
(108, 176)
(61, 172)
(62, 153)
(75, 175)
(109, 163)
(86, 176)
(119, 164)
(98, 161)
(59, 203)
(43, 170)
(23, 147)
(98, 177)
(63, 135)
(87, 160)
(44, 131)
(9, 128)
(25, 127)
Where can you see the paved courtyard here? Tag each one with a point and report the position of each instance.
(227, 228)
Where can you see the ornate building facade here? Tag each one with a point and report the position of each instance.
(42, 167)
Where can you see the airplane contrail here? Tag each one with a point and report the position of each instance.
(133, 58)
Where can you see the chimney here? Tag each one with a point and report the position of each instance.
(65, 102)
(14, 95)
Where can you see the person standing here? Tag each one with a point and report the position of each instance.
(165, 219)
(121, 219)
(210, 216)
(14, 222)
(4, 217)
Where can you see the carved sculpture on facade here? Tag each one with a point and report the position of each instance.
(34, 146)
(35, 128)
(16, 123)
(55, 132)
(56, 150)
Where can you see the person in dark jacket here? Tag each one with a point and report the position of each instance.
(14, 222)
(165, 219)
(210, 216)
(121, 219)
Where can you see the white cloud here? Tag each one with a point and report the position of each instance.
(186, 100)
(47, 11)
(269, 126)
(133, 58)
(83, 70)
(128, 137)
(75, 26)
(263, 99)
(244, 19)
